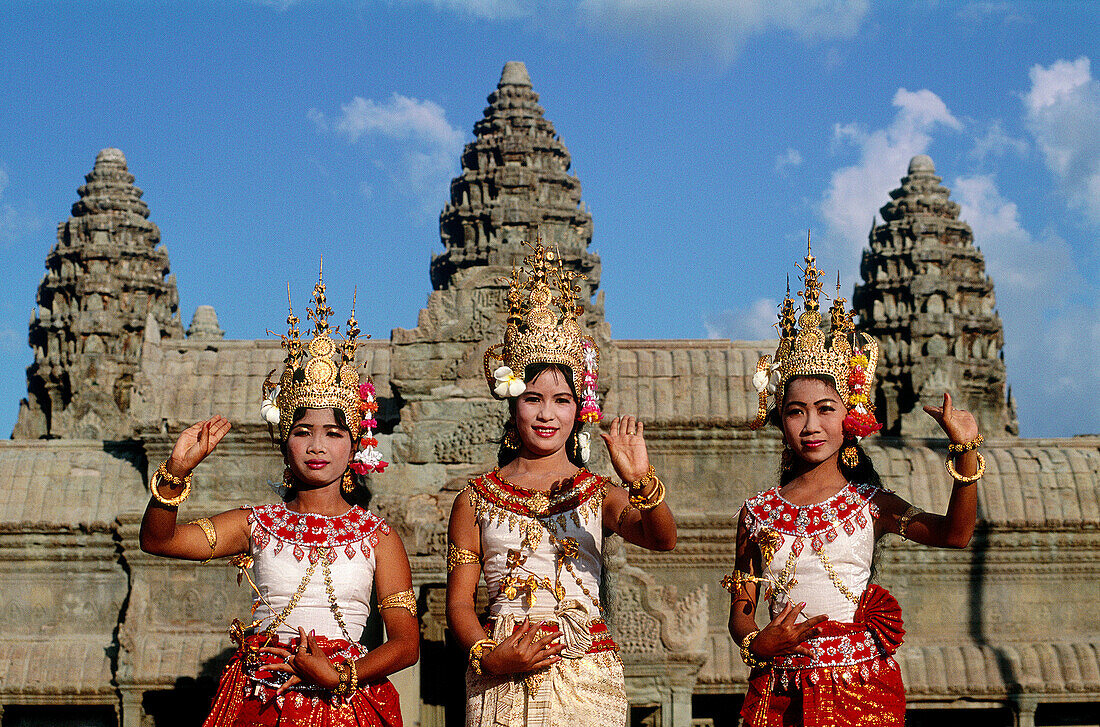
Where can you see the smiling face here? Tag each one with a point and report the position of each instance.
(812, 419)
(546, 413)
(318, 449)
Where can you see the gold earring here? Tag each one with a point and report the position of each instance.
(850, 456)
(288, 478)
(786, 460)
(348, 483)
(511, 439)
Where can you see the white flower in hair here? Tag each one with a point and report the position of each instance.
(508, 384)
(584, 439)
(369, 456)
(760, 380)
(269, 412)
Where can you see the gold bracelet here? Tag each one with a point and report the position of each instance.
(163, 474)
(642, 482)
(906, 517)
(746, 654)
(477, 651)
(456, 556)
(961, 447)
(353, 675)
(654, 499)
(342, 673)
(402, 599)
(210, 533)
(966, 480)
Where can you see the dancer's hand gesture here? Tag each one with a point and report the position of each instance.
(784, 636)
(958, 424)
(196, 442)
(307, 663)
(523, 651)
(626, 446)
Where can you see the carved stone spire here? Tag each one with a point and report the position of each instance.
(928, 300)
(105, 277)
(515, 180)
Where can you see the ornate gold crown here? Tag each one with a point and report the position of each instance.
(313, 379)
(543, 329)
(806, 350)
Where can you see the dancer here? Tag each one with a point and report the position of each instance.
(824, 657)
(534, 526)
(315, 556)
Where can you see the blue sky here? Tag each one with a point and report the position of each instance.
(708, 136)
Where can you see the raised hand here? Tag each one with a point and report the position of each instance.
(195, 443)
(784, 636)
(958, 424)
(523, 651)
(307, 663)
(626, 446)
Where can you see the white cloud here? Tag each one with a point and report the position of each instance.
(426, 146)
(753, 324)
(856, 192)
(790, 158)
(1063, 113)
(719, 29)
(485, 9)
(997, 142)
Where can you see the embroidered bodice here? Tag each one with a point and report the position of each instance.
(820, 553)
(284, 544)
(541, 551)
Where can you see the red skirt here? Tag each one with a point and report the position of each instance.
(242, 701)
(851, 682)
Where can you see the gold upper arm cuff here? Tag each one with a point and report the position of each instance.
(907, 516)
(457, 556)
(210, 533)
(402, 599)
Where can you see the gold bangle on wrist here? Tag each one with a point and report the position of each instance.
(642, 482)
(961, 447)
(162, 473)
(210, 533)
(746, 654)
(343, 677)
(648, 502)
(477, 651)
(353, 675)
(966, 479)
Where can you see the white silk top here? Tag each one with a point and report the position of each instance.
(541, 551)
(285, 544)
(820, 553)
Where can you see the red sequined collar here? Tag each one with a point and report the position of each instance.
(531, 503)
(771, 510)
(357, 529)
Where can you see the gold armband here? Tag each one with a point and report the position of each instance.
(210, 533)
(402, 599)
(735, 582)
(162, 473)
(456, 556)
(904, 520)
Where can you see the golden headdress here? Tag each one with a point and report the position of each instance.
(314, 379)
(543, 329)
(806, 350)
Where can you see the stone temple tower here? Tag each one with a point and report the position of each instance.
(928, 300)
(515, 183)
(106, 280)
(515, 180)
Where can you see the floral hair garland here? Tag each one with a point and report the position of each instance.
(859, 422)
(368, 458)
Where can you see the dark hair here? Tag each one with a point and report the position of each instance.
(863, 473)
(532, 372)
(361, 495)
